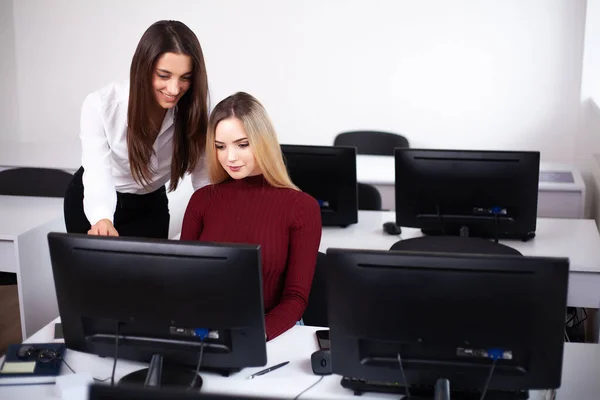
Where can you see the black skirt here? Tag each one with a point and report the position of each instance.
(139, 215)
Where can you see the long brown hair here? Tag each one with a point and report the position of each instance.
(191, 113)
(261, 137)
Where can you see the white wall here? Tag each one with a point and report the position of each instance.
(9, 122)
(588, 142)
(461, 73)
(590, 85)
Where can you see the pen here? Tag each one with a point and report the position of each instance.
(266, 371)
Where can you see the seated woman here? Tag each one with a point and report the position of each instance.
(252, 200)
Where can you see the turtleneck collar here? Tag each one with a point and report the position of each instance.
(251, 181)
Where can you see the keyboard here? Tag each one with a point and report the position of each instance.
(360, 386)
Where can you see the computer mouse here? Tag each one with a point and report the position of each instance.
(320, 361)
(391, 228)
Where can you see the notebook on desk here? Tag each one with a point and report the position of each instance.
(32, 364)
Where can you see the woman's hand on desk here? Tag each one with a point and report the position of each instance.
(103, 228)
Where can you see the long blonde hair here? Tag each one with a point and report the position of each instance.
(261, 136)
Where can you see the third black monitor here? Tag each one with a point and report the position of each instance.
(328, 174)
(484, 193)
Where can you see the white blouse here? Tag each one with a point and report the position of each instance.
(105, 157)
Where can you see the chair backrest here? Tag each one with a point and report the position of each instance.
(369, 197)
(371, 142)
(316, 310)
(8, 278)
(37, 182)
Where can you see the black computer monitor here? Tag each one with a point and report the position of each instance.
(469, 193)
(328, 174)
(167, 302)
(446, 316)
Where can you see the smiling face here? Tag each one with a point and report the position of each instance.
(233, 149)
(171, 79)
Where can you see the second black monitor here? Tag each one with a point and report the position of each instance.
(190, 303)
(328, 174)
(439, 315)
(481, 193)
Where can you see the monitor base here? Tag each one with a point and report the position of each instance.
(454, 244)
(171, 377)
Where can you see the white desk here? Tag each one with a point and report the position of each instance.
(581, 367)
(66, 156)
(577, 239)
(24, 225)
(555, 200)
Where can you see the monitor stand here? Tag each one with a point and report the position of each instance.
(442, 391)
(454, 244)
(157, 375)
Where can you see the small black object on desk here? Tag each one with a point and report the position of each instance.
(320, 361)
(391, 228)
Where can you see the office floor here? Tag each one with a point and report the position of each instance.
(10, 323)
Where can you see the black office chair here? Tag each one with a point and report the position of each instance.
(8, 278)
(37, 182)
(369, 197)
(371, 142)
(316, 310)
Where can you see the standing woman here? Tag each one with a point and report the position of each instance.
(137, 136)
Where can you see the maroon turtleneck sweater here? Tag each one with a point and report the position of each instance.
(286, 224)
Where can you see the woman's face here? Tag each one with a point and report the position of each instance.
(172, 77)
(233, 149)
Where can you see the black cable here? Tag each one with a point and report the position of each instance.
(95, 379)
(310, 387)
(437, 209)
(572, 318)
(489, 379)
(496, 227)
(403, 376)
(580, 321)
(63, 360)
(112, 377)
(198, 366)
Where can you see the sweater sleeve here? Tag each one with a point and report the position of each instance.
(193, 219)
(305, 237)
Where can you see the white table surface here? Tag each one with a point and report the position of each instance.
(581, 368)
(577, 239)
(380, 170)
(19, 214)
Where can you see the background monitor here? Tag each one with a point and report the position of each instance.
(328, 174)
(486, 193)
(161, 298)
(446, 316)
